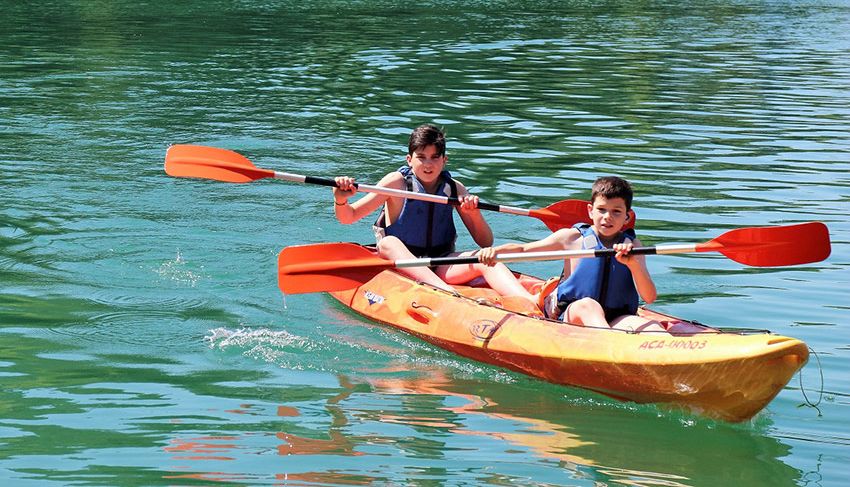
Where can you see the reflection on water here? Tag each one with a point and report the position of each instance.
(431, 420)
(588, 440)
(543, 438)
(337, 443)
(226, 424)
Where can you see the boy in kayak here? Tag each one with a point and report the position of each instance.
(596, 291)
(409, 228)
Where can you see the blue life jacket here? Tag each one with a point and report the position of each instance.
(602, 278)
(427, 229)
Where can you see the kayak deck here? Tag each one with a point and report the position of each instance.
(722, 375)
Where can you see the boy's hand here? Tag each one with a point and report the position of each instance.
(623, 256)
(345, 188)
(487, 256)
(468, 202)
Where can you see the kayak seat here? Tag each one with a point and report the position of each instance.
(547, 299)
(532, 284)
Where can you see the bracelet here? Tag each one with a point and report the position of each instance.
(341, 204)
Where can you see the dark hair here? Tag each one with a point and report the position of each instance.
(612, 187)
(425, 135)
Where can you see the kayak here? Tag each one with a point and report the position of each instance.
(721, 374)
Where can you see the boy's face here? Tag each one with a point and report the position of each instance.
(427, 163)
(608, 215)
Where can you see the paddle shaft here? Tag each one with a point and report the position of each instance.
(338, 266)
(198, 161)
(400, 193)
(550, 255)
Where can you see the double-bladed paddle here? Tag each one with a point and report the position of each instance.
(339, 266)
(198, 161)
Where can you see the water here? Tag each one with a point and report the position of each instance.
(143, 340)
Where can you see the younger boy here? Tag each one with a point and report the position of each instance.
(408, 228)
(597, 291)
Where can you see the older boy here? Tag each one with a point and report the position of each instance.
(408, 228)
(597, 291)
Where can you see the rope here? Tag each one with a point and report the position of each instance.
(803, 390)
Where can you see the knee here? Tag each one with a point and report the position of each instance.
(497, 268)
(390, 245)
(587, 312)
(587, 305)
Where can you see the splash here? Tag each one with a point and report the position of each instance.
(272, 346)
(177, 270)
(244, 337)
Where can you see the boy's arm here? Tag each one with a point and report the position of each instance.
(643, 281)
(563, 239)
(472, 217)
(349, 213)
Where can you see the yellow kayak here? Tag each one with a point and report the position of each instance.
(725, 375)
(719, 374)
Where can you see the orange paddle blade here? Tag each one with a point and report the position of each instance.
(566, 213)
(803, 243)
(198, 161)
(327, 267)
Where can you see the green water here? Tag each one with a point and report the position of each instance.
(143, 340)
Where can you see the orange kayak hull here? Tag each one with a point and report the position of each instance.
(722, 375)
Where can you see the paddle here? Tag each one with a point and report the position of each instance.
(339, 266)
(198, 161)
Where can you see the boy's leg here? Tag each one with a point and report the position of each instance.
(498, 277)
(637, 324)
(393, 249)
(586, 312)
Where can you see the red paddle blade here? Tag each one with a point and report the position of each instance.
(803, 243)
(198, 161)
(326, 267)
(566, 213)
